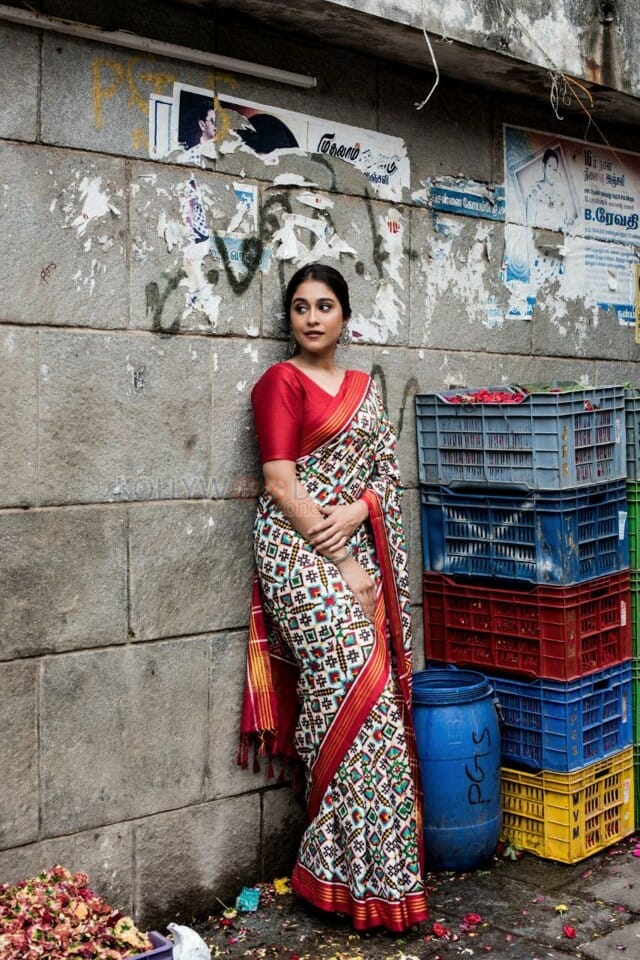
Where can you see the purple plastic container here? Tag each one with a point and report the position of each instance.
(162, 948)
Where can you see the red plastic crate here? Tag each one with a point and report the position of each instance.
(557, 633)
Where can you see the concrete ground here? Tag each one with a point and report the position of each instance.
(526, 909)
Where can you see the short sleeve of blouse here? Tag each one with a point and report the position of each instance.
(277, 412)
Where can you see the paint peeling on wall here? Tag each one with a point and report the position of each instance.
(322, 240)
(81, 204)
(252, 352)
(391, 226)
(386, 317)
(96, 203)
(459, 266)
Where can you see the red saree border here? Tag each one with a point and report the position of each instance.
(392, 603)
(353, 711)
(396, 915)
(355, 391)
(269, 707)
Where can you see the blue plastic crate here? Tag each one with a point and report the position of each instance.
(548, 441)
(565, 726)
(562, 537)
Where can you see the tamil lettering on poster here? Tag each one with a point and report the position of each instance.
(571, 215)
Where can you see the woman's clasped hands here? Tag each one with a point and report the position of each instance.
(330, 537)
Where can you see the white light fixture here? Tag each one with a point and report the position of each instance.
(121, 38)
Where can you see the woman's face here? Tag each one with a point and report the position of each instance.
(316, 318)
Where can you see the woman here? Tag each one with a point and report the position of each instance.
(330, 619)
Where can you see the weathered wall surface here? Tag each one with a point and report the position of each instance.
(127, 458)
(595, 40)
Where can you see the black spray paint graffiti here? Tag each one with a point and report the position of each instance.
(156, 302)
(252, 250)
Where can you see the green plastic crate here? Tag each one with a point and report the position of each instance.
(635, 613)
(633, 521)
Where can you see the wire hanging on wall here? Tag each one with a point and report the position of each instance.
(419, 106)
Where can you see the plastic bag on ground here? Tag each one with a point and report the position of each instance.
(187, 944)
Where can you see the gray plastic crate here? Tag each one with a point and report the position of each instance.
(549, 440)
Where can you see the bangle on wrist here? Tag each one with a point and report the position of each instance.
(343, 556)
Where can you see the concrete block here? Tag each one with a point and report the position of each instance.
(457, 300)
(18, 753)
(378, 273)
(179, 284)
(96, 97)
(201, 578)
(18, 417)
(575, 330)
(450, 137)
(122, 418)
(336, 71)
(19, 76)
(612, 886)
(228, 662)
(401, 374)
(237, 365)
(412, 532)
(117, 724)
(618, 940)
(187, 858)
(607, 372)
(284, 821)
(65, 218)
(417, 630)
(64, 576)
(104, 855)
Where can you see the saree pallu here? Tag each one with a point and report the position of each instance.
(361, 853)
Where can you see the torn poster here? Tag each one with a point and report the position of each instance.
(572, 213)
(203, 124)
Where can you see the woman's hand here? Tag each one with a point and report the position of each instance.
(338, 526)
(361, 585)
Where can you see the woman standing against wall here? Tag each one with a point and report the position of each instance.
(330, 641)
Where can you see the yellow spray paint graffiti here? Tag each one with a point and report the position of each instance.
(102, 91)
(131, 76)
(109, 76)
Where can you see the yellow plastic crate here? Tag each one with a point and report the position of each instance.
(569, 816)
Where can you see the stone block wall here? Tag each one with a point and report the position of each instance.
(127, 458)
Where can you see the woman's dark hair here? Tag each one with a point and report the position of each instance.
(550, 154)
(324, 274)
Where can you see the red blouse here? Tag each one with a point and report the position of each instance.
(288, 405)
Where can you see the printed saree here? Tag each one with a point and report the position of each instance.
(326, 685)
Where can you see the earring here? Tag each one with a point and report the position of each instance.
(345, 336)
(292, 344)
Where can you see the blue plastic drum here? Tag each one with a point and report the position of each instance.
(458, 740)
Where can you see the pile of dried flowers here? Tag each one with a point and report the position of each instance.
(56, 915)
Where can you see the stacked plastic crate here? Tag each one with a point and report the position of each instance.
(632, 414)
(526, 578)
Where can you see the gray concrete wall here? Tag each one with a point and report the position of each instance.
(127, 456)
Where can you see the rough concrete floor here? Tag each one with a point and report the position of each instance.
(529, 909)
